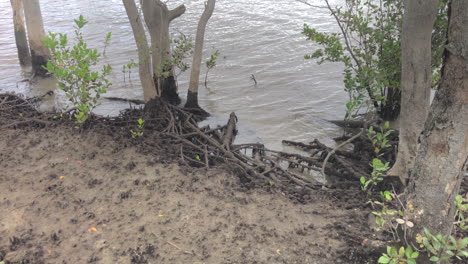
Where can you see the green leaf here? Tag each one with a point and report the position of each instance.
(386, 125)
(362, 180)
(379, 220)
(411, 261)
(390, 250)
(376, 163)
(428, 233)
(434, 259)
(463, 243)
(408, 252)
(437, 245)
(401, 252)
(384, 259)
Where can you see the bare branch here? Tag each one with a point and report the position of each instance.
(176, 12)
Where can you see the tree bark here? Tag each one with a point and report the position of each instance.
(442, 155)
(20, 32)
(36, 34)
(192, 96)
(416, 78)
(146, 76)
(158, 18)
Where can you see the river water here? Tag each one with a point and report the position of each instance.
(292, 99)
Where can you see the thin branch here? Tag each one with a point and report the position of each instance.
(179, 248)
(364, 128)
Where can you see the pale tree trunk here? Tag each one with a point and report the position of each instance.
(442, 155)
(20, 32)
(146, 77)
(192, 96)
(158, 18)
(36, 34)
(416, 78)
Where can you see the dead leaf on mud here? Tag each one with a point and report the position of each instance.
(92, 229)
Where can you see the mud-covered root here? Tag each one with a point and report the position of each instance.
(170, 132)
(16, 111)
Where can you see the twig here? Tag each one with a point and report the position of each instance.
(207, 163)
(252, 77)
(328, 179)
(185, 251)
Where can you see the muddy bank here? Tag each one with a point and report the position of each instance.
(174, 193)
(80, 197)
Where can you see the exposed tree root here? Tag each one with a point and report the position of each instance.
(171, 133)
(133, 101)
(17, 111)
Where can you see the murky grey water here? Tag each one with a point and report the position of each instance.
(293, 96)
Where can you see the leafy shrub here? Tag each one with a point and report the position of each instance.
(73, 67)
(369, 46)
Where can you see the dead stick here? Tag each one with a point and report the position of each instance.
(228, 136)
(328, 179)
(207, 163)
(185, 251)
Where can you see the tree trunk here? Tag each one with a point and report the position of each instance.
(20, 32)
(146, 77)
(36, 34)
(192, 96)
(157, 18)
(442, 155)
(416, 78)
